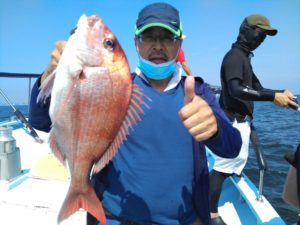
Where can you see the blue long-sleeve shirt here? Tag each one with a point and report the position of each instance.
(226, 144)
(39, 111)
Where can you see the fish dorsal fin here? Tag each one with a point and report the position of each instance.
(132, 117)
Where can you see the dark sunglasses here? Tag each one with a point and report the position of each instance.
(261, 34)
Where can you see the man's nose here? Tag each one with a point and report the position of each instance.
(157, 43)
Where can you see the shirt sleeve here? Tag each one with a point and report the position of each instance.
(39, 111)
(237, 89)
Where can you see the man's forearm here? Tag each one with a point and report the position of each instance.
(241, 91)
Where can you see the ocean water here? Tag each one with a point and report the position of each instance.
(7, 113)
(278, 130)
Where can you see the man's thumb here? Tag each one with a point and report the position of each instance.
(189, 89)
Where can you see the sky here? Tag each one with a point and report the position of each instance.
(29, 29)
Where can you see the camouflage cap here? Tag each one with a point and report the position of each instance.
(261, 22)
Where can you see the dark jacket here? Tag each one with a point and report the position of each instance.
(240, 85)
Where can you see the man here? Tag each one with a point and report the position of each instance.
(240, 87)
(181, 59)
(291, 191)
(160, 174)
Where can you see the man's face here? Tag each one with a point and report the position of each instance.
(260, 34)
(158, 45)
(255, 37)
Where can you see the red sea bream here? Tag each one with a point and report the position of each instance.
(93, 103)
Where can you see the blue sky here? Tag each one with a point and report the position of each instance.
(29, 29)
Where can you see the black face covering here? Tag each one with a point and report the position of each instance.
(249, 38)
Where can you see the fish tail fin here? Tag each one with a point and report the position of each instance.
(87, 200)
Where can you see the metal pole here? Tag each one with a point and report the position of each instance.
(29, 94)
(260, 160)
(261, 184)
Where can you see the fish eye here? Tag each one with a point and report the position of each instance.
(109, 43)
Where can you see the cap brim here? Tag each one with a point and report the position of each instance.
(269, 30)
(142, 29)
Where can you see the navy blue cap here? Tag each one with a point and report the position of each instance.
(159, 15)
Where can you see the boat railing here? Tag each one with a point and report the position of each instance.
(28, 76)
(262, 164)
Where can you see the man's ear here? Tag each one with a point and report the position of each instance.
(136, 39)
(136, 43)
(181, 40)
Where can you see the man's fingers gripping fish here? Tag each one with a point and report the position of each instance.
(93, 103)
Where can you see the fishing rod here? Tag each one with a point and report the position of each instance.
(22, 118)
(293, 107)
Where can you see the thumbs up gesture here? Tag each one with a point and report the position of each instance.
(196, 114)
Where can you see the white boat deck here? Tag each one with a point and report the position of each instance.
(238, 203)
(29, 200)
(35, 201)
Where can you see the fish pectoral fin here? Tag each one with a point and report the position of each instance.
(132, 117)
(87, 200)
(46, 88)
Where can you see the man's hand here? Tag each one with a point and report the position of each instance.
(196, 114)
(55, 56)
(285, 99)
(289, 94)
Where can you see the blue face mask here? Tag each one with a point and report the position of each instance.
(156, 71)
